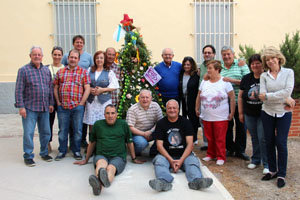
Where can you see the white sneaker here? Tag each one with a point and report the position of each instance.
(251, 166)
(207, 158)
(220, 162)
(265, 171)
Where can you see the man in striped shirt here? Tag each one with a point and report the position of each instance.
(141, 118)
(34, 98)
(71, 90)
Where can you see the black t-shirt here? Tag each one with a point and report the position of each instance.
(251, 103)
(174, 134)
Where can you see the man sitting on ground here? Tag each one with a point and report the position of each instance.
(175, 144)
(108, 137)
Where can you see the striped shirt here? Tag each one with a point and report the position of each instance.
(144, 120)
(34, 89)
(114, 94)
(235, 72)
(71, 85)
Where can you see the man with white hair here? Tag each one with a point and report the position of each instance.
(141, 118)
(169, 71)
(174, 138)
(34, 98)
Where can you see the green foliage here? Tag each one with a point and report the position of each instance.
(290, 48)
(246, 52)
(132, 72)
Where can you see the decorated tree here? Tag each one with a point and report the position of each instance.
(134, 59)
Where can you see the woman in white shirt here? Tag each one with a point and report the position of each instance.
(276, 86)
(103, 82)
(213, 97)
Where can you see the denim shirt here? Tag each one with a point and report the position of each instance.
(102, 81)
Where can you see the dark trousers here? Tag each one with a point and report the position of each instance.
(276, 130)
(52, 119)
(239, 144)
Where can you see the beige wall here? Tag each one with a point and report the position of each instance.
(165, 23)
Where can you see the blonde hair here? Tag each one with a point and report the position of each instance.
(272, 52)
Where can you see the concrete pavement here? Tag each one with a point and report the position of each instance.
(63, 180)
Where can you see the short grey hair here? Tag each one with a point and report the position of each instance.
(225, 48)
(36, 47)
(163, 51)
(145, 90)
(171, 101)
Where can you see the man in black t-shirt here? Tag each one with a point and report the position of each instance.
(175, 144)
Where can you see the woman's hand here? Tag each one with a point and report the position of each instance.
(230, 116)
(262, 96)
(290, 104)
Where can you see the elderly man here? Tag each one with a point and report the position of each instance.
(110, 62)
(175, 145)
(141, 118)
(233, 74)
(34, 98)
(86, 61)
(169, 71)
(71, 90)
(108, 138)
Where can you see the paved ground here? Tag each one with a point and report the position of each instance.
(63, 180)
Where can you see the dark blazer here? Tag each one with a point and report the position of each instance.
(192, 91)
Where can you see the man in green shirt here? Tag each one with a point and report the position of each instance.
(108, 138)
(209, 53)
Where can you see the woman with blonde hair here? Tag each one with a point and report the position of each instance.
(276, 86)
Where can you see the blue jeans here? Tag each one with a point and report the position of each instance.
(259, 151)
(191, 166)
(276, 133)
(140, 143)
(42, 120)
(64, 117)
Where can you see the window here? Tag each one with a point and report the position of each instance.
(75, 17)
(213, 25)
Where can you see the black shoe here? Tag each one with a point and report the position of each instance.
(280, 182)
(160, 185)
(103, 177)
(59, 156)
(268, 177)
(47, 158)
(204, 148)
(77, 156)
(229, 153)
(243, 156)
(95, 184)
(200, 183)
(29, 162)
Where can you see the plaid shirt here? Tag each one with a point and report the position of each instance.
(71, 85)
(34, 89)
(114, 94)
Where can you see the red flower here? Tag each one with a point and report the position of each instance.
(143, 80)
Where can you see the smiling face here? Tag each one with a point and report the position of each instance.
(228, 57)
(73, 59)
(167, 56)
(257, 67)
(36, 56)
(145, 99)
(187, 66)
(110, 115)
(57, 56)
(78, 44)
(208, 54)
(172, 110)
(99, 60)
(272, 62)
(111, 55)
(211, 71)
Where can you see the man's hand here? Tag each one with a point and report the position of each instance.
(148, 135)
(227, 79)
(22, 112)
(241, 117)
(138, 161)
(80, 162)
(51, 109)
(242, 62)
(178, 164)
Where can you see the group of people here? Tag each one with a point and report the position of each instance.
(82, 90)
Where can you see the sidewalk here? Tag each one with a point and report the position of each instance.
(63, 180)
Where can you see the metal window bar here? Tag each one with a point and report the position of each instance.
(213, 25)
(73, 17)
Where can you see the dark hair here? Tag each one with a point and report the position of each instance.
(76, 37)
(254, 57)
(57, 48)
(94, 67)
(75, 51)
(216, 63)
(193, 64)
(110, 105)
(210, 46)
